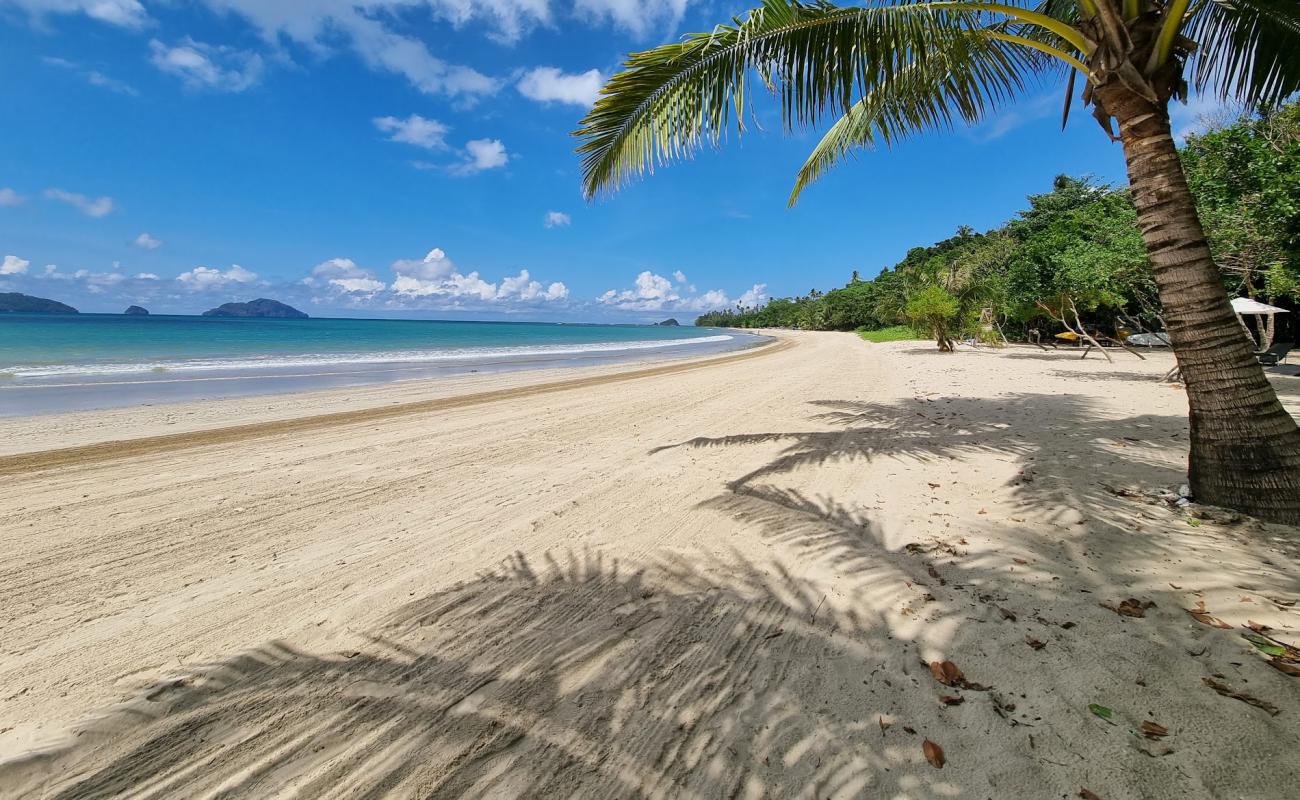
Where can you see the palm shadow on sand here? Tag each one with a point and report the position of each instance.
(722, 676)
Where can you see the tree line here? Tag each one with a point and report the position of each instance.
(1075, 259)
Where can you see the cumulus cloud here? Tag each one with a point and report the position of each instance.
(206, 67)
(13, 265)
(523, 287)
(653, 292)
(415, 129)
(146, 276)
(147, 242)
(438, 278)
(480, 155)
(550, 85)
(9, 198)
(90, 206)
(557, 219)
(201, 278)
(343, 274)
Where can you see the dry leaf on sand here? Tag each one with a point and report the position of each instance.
(933, 754)
(1202, 616)
(1087, 795)
(1227, 691)
(1154, 730)
(1132, 607)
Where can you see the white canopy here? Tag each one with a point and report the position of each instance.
(1244, 305)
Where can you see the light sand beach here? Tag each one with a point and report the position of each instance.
(719, 578)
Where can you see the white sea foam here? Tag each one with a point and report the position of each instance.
(318, 360)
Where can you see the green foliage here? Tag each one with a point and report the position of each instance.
(934, 309)
(1246, 180)
(894, 333)
(1078, 246)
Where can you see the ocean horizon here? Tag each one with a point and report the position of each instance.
(65, 362)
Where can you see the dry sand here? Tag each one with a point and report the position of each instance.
(718, 581)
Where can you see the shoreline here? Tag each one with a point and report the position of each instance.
(128, 385)
(13, 463)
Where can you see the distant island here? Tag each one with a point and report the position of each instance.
(136, 311)
(15, 303)
(260, 307)
(667, 323)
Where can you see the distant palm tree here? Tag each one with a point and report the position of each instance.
(896, 68)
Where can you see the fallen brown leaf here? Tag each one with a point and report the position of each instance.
(1007, 614)
(1284, 667)
(1154, 730)
(1257, 627)
(1227, 691)
(1132, 607)
(933, 754)
(947, 673)
(1020, 561)
(952, 699)
(1205, 619)
(1036, 644)
(884, 726)
(1087, 795)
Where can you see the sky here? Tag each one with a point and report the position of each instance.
(415, 158)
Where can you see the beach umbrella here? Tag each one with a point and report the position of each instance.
(1244, 305)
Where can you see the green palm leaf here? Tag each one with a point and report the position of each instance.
(816, 58)
(1248, 50)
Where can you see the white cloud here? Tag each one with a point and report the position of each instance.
(368, 29)
(550, 85)
(201, 278)
(482, 154)
(653, 292)
(557, 219)
(92, 76)
(204, 66)
(436, 277)
(148, 242)
(755, 296)
(123, 13)
(10, 198)
(344, 275)
(146, 276)
(641, 18)
(523, 287)
(93, 207)
(415, 129)
(13, 265)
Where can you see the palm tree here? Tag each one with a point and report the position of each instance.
(895, 68)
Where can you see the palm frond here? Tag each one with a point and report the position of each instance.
(816, 58)
(925, 96)
(1247, 50)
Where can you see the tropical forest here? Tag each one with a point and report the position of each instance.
(1073, 260)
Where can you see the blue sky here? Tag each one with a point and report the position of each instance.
(413, 157)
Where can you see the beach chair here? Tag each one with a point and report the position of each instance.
(1275, 355)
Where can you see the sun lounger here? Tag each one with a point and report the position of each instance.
(1274, 355)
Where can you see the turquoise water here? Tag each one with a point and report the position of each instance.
(62, 362)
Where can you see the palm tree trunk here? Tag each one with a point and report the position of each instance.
(1245, 451)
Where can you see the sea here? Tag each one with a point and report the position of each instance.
(71, 362)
